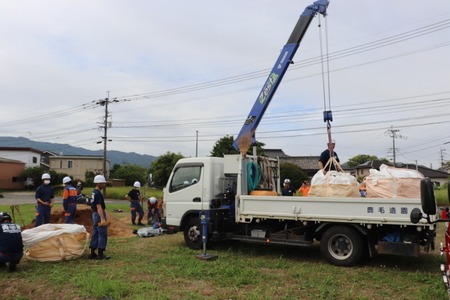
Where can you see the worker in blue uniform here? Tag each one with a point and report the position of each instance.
(154, 214)
(288, 190)
(324, 160)
(70, 195)
(45, 198)
(99, 237)
(134, 196)
(11, 245)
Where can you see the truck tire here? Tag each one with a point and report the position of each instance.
(193, 233)
(342, 246)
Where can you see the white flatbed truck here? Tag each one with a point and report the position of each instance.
(349, 229)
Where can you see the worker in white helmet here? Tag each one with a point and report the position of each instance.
(326, 163)
(70, 195)
(134, 196)
(288, 189)
(45, 198)
(99, 237)
(153, 210)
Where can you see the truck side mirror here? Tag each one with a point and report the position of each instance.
(427, 196)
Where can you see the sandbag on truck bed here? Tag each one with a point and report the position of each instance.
(392, 182)
(54, 242)
(333, 184)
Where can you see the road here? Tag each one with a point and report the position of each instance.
(18, 198)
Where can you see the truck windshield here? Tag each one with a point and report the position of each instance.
(184, 177)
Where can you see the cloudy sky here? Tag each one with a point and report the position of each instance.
(178, 68)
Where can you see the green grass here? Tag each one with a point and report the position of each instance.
(164, 268)
(441, 197)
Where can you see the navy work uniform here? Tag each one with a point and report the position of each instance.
(44, 195)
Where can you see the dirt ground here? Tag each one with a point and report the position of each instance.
(83, 216)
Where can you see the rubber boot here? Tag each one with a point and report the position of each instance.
(92, 254)
(140, 223)
(101, 255)
(12, 267)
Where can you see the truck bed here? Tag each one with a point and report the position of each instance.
(352, 210)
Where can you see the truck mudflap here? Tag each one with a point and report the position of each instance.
(398, 248)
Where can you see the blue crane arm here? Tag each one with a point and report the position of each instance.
(246, 136)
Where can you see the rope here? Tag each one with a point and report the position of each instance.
(253, 176)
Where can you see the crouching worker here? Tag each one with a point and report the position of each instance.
(153, 210)
(99, 237)
(11, 246)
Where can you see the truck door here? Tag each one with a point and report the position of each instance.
(184, 192)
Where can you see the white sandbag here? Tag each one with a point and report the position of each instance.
(54, 242)
(392, 182)
(333, 184)
(37, 234)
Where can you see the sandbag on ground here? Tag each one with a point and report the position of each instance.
(54, 242)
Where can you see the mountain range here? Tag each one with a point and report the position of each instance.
(116, 157)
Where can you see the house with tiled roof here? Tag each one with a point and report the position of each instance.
(307, 163)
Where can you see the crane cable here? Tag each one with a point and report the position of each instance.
(326, 88)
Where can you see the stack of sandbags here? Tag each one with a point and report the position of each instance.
(54, 242)
(392, 182)
(333, 184)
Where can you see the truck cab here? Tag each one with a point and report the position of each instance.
(195, 184)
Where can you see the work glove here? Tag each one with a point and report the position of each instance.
(103, 222)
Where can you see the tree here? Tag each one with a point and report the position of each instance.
(114, 169)
(35, 174)
(294, 173)
(162, 167)
(225, 146)
(89, 179)
(362, 158)
(131, 173)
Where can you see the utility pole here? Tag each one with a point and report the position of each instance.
(393, 134)
(442, 157)
(105, 140)
(196, 143)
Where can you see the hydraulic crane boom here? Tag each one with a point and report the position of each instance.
(246, 136)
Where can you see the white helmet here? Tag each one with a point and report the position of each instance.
(137, 184)
(152, 200)
(99, 179)
(287, 181)
(45, 176)
(195, 180)
(67, 179)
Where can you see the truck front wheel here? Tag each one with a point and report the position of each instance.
(193, 233)
(342, 246)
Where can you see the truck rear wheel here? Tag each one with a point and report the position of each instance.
(193, 233)
(342, 246)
